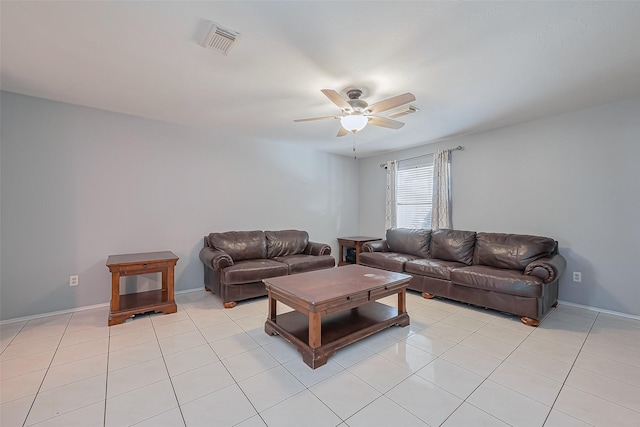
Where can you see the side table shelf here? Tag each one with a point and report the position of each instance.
(128, 305)
(355, 242)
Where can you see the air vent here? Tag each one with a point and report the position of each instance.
(220, 39)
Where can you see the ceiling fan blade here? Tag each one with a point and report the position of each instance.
(385, 122)
(342, 132)
(316, 118)
(392, 102)
(408, 110)
(337, 99)
(398, 114)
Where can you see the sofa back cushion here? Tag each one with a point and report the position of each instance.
(510, 251)
(412, 241)
(453, 245)
(240, 245)
(286, 242)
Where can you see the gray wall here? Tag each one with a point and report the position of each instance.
(79, 184)
(573, 177)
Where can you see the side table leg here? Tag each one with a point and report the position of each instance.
(115, 291)
(114, 318)
(358, 249)
(168, 283)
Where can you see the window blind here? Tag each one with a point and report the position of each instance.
(414, 192)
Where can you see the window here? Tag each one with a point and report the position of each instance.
(414, 191)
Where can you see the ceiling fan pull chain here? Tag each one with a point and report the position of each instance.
(354, 145)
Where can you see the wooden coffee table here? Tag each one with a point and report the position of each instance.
(334, 307)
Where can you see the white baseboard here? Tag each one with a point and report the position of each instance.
(73, 310)
(600, 310)
(186, 291)
(54, 313)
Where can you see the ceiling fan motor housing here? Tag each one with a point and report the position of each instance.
(354, 93)
(356, 103)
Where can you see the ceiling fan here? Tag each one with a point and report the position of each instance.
(357, 113)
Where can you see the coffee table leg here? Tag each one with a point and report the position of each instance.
(271, 320)
(402, 308)
(272, 308)
(402, 301)
(315, 331)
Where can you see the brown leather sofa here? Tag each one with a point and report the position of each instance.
(513, 273)
(235, 262)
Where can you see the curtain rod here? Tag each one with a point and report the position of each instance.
(458, 148)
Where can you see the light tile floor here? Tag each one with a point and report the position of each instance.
(455, 365)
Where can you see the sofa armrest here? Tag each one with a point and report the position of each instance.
(548, 268)
(375, 246)
(215, 259)
(317, 249)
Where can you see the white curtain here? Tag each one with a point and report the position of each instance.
(441, 214)
(390, 206)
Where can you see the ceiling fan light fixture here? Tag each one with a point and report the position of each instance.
(357, 114)
(354, 122)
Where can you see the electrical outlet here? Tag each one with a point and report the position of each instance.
(577, 276)
(73, 280)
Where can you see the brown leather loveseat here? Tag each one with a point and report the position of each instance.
(235, 262)
(513, 273)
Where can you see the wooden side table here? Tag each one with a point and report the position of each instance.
(353, 242)
(128, 305)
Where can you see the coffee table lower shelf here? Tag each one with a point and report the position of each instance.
(337, 330)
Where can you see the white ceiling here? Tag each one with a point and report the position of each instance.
(472, 65)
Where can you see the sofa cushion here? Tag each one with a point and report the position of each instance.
(511, 282)
(409, 241)
(510, 251)
(453, 245)
(386, 260)
(286, 242)
(240, 245)
(432, 268)
(301, 263)
(253, 271)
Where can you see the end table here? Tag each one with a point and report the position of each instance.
(353, 242)
(128, 305)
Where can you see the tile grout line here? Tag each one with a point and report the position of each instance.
(219, 360)
(263, 344)
(496, 368)
(13, 338)
(461, 367)
(310, 391)
(106, 382)
(597, 373)
(242, 390)
(164, 362)
(571, 369)
(35, 397)
(503, 360)
(377, 353)
(212, 349)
